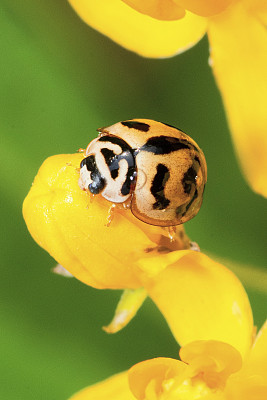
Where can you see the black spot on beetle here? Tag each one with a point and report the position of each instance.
(108, 155)
(114, 173)
(89, 162)
(165, 145)
(140, 126)
(158, 185)
(182, 210)
(127, 185)
(189, 179)
(111, 161)
(115, 140)
(197, 159)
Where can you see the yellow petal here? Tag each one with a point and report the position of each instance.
(165, 10)
(130, 302)
(205, 7)
(214, 361)
(154, 371)
(72, 228)
(138, 32)
(238, 41)
(201, 300)
(251, 382)
(152, 265)
(258, 8)
(114, 388)
(257, 361)
(243, 387)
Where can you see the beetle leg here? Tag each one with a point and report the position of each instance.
(126, 204)
(171, 232)
(110, 214)
(91, 197)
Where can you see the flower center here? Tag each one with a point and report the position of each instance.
(201, 374)
(189, 389)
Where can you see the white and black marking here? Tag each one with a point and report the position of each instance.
(109, 156)
(113, 161)
(94, 182)
(109, 169)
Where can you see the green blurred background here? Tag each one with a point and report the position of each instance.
(59, 81)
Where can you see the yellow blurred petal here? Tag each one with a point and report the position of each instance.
(246, 386)
(130, 302)
(255, 393)
(238, 41)
(202, 300)
(72, 228)
(258, 8)
(165, 10)
(257, 360)
(214, 361)
(114, 388)
(252, 277)
(157, 371)
(205, 8)
(138, 32)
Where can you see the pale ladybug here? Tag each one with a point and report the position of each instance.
(155, 168)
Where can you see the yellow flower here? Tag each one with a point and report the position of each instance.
(209, 370)
(130, 254)
(238, 42)
(73, 228)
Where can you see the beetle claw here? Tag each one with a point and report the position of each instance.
(110, 214)
(171, 232)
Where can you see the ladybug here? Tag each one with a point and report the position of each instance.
(154, 168)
